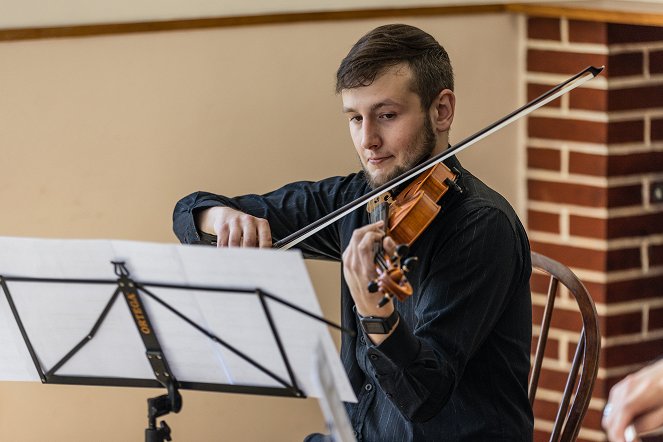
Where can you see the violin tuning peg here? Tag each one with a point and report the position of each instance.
(373, 286)
(402, 250)
(410, 263)
(384, 301)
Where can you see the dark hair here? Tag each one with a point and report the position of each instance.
(390, 45)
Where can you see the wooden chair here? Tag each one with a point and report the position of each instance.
(573, 406)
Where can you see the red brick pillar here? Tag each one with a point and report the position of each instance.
(595, 192)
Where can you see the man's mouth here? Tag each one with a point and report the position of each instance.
(378, 160)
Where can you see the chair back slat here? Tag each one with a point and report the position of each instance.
(543, 339)
(582, 375)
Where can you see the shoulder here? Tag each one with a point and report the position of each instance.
(479, 203)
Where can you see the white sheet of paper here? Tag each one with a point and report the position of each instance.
(58, 315)
(338, 423)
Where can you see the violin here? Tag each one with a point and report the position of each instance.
(405, 218)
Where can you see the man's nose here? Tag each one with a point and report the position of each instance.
(370, 138)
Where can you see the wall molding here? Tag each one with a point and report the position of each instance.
(235, 21)
(536, 10)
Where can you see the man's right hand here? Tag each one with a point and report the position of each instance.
(234, 228)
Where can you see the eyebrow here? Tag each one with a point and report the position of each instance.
(376, 106)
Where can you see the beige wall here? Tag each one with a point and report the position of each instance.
(101, 136)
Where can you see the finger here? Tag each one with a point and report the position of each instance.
(264, 234)
(650, 421)
(235, 234)
(249, 234)
(365, 246)
(222, 233)
(389, 245)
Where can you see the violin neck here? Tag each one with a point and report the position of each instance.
(380, 213)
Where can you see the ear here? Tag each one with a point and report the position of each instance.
(442, 110)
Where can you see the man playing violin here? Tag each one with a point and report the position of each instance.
(450, 363)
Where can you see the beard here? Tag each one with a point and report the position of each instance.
(421, 148)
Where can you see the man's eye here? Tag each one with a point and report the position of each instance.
(355, 118)
(388, 116)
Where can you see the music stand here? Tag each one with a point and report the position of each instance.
(151, 308)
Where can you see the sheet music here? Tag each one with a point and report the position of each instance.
(338, 423)
(57, 315)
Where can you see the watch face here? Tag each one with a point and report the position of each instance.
(375, 326)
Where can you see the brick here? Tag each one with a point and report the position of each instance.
(656, 318)
(561, 319)
(566, 193)
(552, 346)
(539, 283)
(584, 195)
(588, 99)
(656, 255)
(624, 259)
(587, 32)
(599, 391)
(633, 289)
(541, 158)
(630, 131)
(535, 90)
(588, 164)
(626, 131)
(540, 28)
(588, 227)
(560, 62)
(625, 323)
(625, 64)
(600, 260)
(621, 227)
(542, 221)
(657, 129)
(641, 225)
(628, 354)
(553, 379)
(625, 196)
(541, 435)
(545, 410)
(656, 62)
(592, 419)
(635, 163)
(597, 290)
(572, 256)
(567, 129)
(622, 33)
(633, 98)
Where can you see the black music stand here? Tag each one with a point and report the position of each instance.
(135, 293)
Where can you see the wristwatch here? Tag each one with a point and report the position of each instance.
(376, 325)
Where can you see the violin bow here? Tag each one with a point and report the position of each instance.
(578, 79)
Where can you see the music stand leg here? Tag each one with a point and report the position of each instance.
(160, 406)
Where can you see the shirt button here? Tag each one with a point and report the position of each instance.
(362, 340)
(354, 433)
(374, 357)
(368, 387)
(389, 395)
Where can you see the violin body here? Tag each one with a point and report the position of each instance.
(406, 218)
(417, 205)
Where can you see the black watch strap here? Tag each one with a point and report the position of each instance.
(376, 325)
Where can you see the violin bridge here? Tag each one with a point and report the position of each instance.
(375, 202)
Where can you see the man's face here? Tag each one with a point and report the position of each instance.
(390, 131)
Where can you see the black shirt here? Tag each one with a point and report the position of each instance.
(456, 367)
